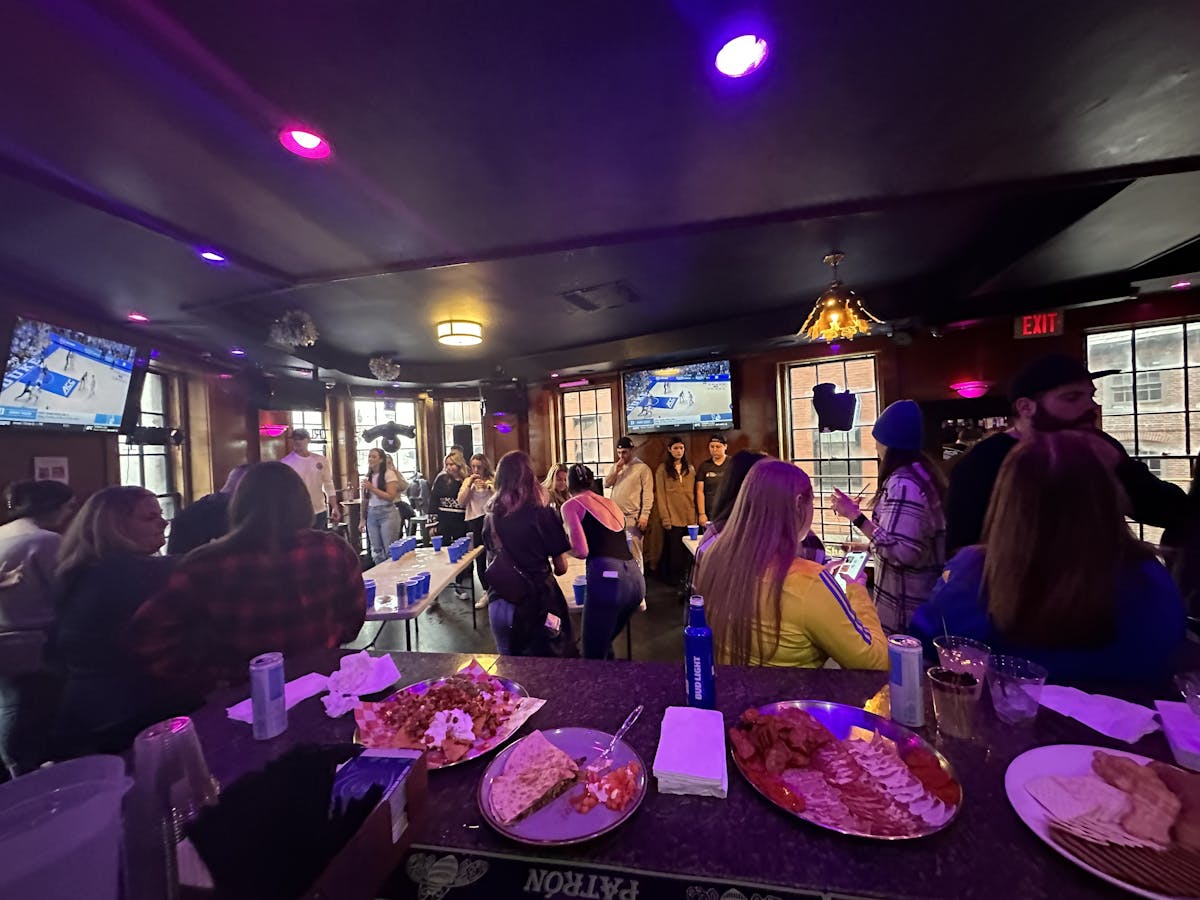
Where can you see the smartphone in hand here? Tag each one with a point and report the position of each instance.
(853, 564)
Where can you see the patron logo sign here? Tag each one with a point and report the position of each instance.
(1043, 324)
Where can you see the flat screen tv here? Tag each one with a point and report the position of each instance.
(693, 397)
(61, 378)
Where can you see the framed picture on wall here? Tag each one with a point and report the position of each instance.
(51, 468)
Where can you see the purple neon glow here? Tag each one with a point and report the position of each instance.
(237, 351)
(138, 317)
(741, 56)
(1181, 285)
(211, 256)
(970, 389)
(570, 384)
(503, 428)
(305, 143)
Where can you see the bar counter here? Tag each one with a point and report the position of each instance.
(693, 847)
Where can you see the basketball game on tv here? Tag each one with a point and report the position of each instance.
(61, 377)
(694, 397)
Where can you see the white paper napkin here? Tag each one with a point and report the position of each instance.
(293, 692)
(1182, 729)
(691, 753)
(357, 675)
(1118, 719)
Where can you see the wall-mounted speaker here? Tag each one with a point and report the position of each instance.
(464, 439)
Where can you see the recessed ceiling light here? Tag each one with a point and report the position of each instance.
(237, 351)
(459, 332)
(305, 143)
(1181, 285)
(138, 317)
(553, 374)
(211, 256)
(741, 56)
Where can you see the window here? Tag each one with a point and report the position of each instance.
(368, 414)
(588, 429)
(462, 412)
(838, 459)
(146, 464)
(314, 423)
(1149, 406)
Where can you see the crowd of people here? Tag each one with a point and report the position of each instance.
(1026, 548)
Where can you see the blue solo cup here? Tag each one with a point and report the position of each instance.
(394, 550)
(426, 579)
(414, 590)
(581, 590)
(369, 585)
(437, 543)
(454, 553)
(693, 531)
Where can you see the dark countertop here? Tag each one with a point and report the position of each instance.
(986, 853)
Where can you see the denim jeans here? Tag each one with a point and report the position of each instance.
(610, 603)
(383, 527)
(500, 616)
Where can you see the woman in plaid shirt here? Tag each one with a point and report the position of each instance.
(272, 583)
(907, 527)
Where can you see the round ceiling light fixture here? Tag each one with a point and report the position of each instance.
(237, 351)
(305, 143)
(741, 56)
(138, 317)
(212, 256)
(459, 333)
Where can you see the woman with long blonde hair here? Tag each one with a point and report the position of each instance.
(800, 614)
(1059, 578)
(556, 486)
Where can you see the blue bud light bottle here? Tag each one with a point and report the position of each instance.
(698, 657)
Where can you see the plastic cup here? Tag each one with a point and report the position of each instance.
(60, 830)
(580, 590)
(394, 550)
(963, 654)
(1016, 688)
(370, 588)
(426, 579)
(437, 543)
(413, 586)
(955, 697)
(401, 594)
(693, 531)
(167, 755)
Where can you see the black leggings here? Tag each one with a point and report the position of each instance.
(475, 526)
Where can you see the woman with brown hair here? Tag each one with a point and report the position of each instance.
(108, 564)
(1059, 578)
(272, 583)
(675, 494)
(801, 614)
(474, 496)
(524, 540)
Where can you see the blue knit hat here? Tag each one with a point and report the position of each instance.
(900, 426)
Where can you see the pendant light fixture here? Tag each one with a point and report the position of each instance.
(839, 313)
(459, 332)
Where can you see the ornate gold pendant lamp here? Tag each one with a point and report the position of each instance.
(839, 313)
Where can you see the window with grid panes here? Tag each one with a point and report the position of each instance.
(148, 465)
(462, 412)
(314, 423)
(1153, 406)
(839, 459)
(588, 434)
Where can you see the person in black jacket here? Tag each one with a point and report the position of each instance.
(205, 520)
(1052, 393)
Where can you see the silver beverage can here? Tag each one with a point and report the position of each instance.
(267, 701)
(906, 664)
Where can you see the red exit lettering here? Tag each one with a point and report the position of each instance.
(1038, 324)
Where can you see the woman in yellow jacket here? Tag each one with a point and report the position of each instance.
(801, 614)
(675, 494)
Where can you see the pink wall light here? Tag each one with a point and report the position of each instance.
(305, 143)
(272, 430)
(971, 389)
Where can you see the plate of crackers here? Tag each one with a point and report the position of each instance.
(1132, 821)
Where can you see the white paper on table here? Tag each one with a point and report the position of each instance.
(1182, 729)
(691, 746)
(293, 692)
(358, 674)
(1116, 718)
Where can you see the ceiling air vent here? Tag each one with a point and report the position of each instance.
(612, 295)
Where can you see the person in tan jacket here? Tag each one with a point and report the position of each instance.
(675, 493)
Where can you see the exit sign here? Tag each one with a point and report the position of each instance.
(1043, 324)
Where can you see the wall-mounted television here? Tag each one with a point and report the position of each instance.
(62, 378)
(692, 397)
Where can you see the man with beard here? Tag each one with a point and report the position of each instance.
(1052, 393)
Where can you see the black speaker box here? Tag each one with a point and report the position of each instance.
(288, 393)
(462, 437)
(509, 398)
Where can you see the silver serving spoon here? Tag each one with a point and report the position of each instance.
(612, 745)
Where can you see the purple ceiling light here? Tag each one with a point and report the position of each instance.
(741, 56)
(138, 317)
(237, 351)
(305, 143)
(1181, 285)
(212, 256)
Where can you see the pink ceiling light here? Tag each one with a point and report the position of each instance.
(138, 317)
(580, 382)
(971, 389)
(741, 56)
(305, 143)
(1181, 285)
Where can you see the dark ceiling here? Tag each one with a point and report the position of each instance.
(574, 175)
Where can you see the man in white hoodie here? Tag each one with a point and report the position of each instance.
(631, 487)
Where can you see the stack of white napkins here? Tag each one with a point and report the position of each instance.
(691, 753)
(1116, 718)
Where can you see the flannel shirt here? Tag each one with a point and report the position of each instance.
(909, 544)
(221, 609)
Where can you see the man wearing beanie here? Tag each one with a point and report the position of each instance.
(1052, 393)
(907, 527)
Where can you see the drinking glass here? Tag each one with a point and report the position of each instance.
(1016, 687)
(167, 759)
(963, 654)
(955, 696)
(1189, 685)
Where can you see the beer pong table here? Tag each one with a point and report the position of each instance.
(442, 574)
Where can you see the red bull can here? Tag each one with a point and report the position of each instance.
(267, 702)
(906, 664)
